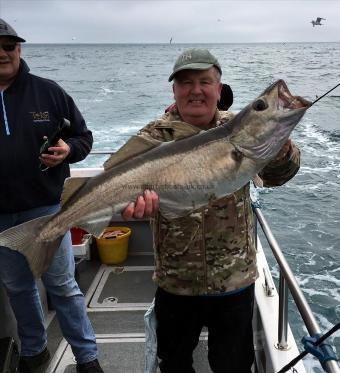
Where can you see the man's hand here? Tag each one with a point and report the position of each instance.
(287, 147)
(144, 207)
(60, 151)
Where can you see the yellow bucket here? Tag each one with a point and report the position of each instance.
(114, 248)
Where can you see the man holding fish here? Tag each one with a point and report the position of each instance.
(205, 261)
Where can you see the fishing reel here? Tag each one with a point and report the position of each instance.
(53, 139)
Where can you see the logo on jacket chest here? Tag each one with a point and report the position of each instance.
(40, 116)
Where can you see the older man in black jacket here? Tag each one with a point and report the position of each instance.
(32, 108)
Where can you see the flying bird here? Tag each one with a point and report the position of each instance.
(317, 22)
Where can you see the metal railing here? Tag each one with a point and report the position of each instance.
(287, 280)
(102, 152)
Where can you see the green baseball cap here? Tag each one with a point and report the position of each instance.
(195, 59)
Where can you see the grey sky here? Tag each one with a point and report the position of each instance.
(186, 21)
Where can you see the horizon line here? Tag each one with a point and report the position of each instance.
(167, 43)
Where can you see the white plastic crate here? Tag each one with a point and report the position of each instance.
(83, 250)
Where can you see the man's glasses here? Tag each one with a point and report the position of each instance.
(8, 47)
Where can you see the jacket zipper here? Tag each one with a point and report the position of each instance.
(5, 114)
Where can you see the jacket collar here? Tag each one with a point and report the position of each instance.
(179, 129)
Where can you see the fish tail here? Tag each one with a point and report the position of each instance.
(23, 238)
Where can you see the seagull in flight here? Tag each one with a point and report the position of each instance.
(317, 22)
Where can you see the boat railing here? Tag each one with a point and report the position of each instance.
(287, 281)
(102, 152)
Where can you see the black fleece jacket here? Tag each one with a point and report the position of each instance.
(31, 108)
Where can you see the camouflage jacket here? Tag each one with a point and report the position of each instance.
(211, 250)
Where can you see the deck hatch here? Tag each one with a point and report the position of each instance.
(124, 287)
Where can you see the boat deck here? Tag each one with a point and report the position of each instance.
(117, 298)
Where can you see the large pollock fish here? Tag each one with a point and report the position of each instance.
(186, 174)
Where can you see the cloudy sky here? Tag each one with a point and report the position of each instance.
(186, 21)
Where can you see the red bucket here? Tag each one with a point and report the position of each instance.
(77, 235)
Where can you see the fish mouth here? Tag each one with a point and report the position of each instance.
(286, 101)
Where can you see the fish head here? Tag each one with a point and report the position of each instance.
(263, 127)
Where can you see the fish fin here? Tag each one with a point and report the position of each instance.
(258, 181)
(138, 145)
(71, 186)
(96, 222)
(94, 228)
(23, 238)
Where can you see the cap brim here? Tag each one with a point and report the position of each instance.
(16, 38)
(192, 66)
(20, 40)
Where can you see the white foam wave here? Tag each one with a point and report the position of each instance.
(327, 278)
(312, 292)
(106, 91)
(90, 100)
(131, 129)
(335, 269)
(312, 364)
(317, 142)
(316, 187)
(325, 325)
(139, 122)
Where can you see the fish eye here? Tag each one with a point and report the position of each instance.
(260, 105)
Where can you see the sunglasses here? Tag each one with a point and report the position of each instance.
(8, 47)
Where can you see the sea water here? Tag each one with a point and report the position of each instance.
(121, 87)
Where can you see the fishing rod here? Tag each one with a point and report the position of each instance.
(319, 98)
